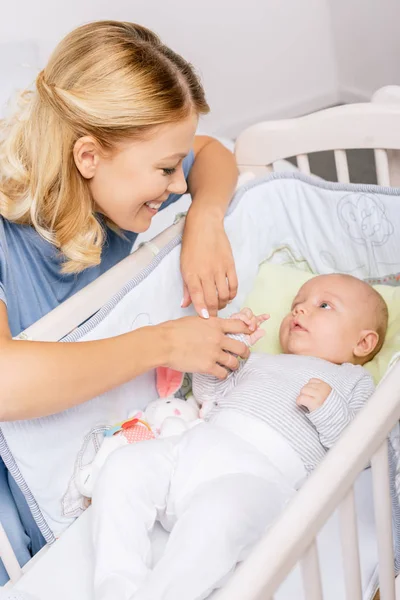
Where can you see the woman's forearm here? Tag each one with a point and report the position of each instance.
(207, 265)
(42, 378)
(213, 177)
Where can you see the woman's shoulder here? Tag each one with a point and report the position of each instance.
(22, 239)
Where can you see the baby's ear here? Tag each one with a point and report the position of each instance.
(366, 344)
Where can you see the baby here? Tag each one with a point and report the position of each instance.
(220, 485)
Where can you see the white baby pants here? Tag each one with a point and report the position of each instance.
(215, 492)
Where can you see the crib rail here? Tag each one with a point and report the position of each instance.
(74, 311)
(368, 125)
(293, 537)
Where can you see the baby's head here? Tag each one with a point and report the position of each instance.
(335, 317)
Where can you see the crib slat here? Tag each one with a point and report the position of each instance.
(349, 539)
(382, 167)
(303, 163)
(311, 574)
(383, 520)
(342, 167)
(8, 557)
(255, 170)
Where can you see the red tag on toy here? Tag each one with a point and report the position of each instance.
(129, 424)
(138, 433)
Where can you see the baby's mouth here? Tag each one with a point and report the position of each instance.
(296, 326)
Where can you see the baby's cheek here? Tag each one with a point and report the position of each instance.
(282, 330)
(284, 333)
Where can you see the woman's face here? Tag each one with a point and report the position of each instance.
(129, 185)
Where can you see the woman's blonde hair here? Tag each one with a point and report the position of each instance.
(110, 80)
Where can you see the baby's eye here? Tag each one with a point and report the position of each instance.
(167, 172)
(324, 305)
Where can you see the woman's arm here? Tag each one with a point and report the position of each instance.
(42, 378)
(206, 262)
(213, 176)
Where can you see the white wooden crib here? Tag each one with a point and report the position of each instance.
(373, 125)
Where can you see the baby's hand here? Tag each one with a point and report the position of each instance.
(313, 394)
(253, 322)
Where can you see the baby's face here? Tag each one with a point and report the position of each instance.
(327, 318)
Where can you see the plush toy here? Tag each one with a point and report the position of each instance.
(169, 415)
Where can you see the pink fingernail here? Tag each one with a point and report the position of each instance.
(205, 314)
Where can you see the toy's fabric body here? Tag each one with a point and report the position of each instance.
(173, 413)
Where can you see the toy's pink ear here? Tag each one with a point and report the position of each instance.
(168, 381)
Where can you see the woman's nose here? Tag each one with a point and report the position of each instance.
(177, 184)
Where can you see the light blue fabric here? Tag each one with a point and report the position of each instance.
(31, 285)
(12, 524)
(18, 523)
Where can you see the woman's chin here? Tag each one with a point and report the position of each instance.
(139, 224)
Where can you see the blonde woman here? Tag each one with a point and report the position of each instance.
(105, 140)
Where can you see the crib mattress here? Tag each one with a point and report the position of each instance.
(65, 570)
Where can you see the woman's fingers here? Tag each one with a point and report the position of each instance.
(222, 290)
(196, 294)
(232, 281)
(186, 300)
(210, 296)
(234, 326)
(228, 361)
(236, 347)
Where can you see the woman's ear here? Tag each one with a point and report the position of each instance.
(366, 343)
(86, 156)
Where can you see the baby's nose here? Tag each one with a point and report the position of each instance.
(299, 309)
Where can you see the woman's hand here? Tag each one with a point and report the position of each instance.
(207, 265)
(202, 346)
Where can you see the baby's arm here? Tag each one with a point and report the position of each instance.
(336, 412)
(206, 388)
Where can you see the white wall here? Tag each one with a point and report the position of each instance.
(258, 58)
(367, 45)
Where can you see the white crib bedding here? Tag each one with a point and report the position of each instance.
(65, 570)
(166, 217)
(328, 227)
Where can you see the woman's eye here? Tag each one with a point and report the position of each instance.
(324, 305)
(169, 171)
